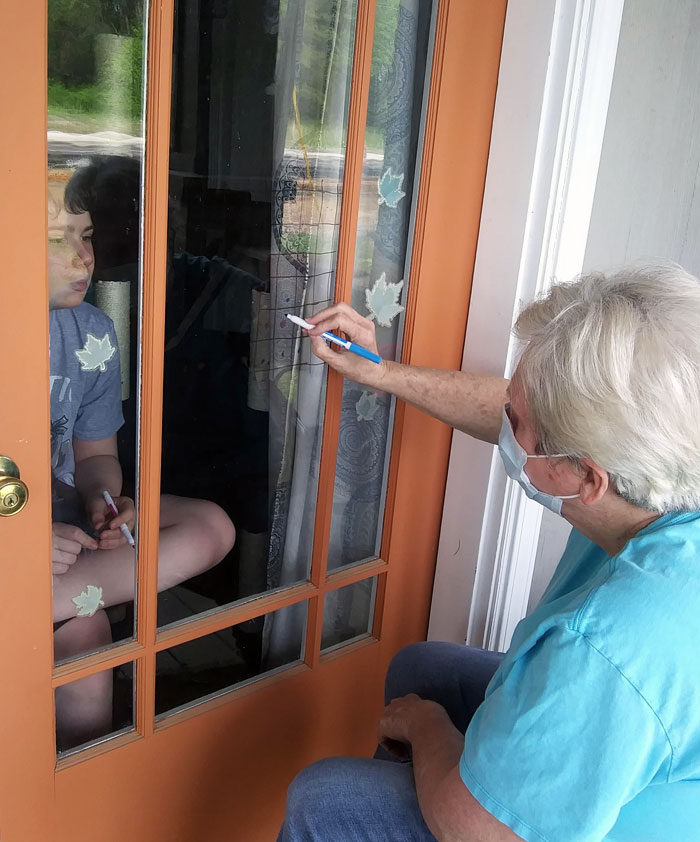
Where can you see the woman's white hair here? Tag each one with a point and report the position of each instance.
(611, 372)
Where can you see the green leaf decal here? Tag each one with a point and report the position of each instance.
(367, 406)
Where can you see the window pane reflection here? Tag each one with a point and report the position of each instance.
(348, 614)
(206, 666)
(259, 118)
(399, 65)
(95, 154)
(93, 708)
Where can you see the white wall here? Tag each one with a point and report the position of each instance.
(647, 198)
(554, 85)
(647, 203)
(498, 276)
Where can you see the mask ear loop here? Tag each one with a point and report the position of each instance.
(548, 455)
(539, 456)
(532, 455)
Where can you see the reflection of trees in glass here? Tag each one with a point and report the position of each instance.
(80, 34)
(327, 32)
(328, 28)
(77, 92)
(382, 61)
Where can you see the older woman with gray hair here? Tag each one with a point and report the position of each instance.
(588, 728)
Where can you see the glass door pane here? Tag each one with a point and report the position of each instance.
(258, 128)
(109, 714)
(382, 256)
(348, 614)
(258, 133)
(95, 156)
(259, 120)
(214, 664)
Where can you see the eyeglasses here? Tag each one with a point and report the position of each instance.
(524, 452)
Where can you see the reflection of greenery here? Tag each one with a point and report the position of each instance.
(73, 25)
(75, 88)
(382, 61)
(364, 252)
(76, 96)
(333, 137)
(136, 52)
(325, 53)
(84, 100)
(326, 56)
(296, 243)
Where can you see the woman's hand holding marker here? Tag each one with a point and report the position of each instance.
(343, 320)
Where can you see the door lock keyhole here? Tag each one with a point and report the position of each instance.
(13, 492)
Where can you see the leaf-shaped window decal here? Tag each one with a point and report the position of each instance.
(367, 406)
(88, 601)
(389, 187)
(382, 301)
(96, 353)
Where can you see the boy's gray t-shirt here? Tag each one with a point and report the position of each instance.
(84, 383)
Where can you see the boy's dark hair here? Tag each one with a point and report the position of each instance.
(108, 188)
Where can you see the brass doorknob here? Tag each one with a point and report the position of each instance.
(13, 492)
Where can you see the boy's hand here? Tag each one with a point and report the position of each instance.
(342, 319)
(107, 524)
(67, 542)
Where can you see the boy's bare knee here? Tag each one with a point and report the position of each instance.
(207, 527)
(219, 529)
(212, 527)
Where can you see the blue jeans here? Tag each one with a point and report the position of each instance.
(349, 799)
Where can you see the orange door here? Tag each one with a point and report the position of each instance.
(199, 747)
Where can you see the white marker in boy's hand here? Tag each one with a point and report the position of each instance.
(336, 340)
(124, 529)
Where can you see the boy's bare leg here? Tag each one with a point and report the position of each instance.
(84, 707)
(194, 536)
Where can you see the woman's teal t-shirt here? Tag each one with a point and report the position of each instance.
(590, 729)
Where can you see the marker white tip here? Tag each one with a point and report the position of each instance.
(297, 320)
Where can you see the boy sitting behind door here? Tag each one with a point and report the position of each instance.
(88, 548)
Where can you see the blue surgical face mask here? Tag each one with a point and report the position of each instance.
(514, 460)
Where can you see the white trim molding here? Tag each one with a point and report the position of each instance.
(554, 85)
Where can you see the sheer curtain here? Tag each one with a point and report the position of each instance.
(306, 211)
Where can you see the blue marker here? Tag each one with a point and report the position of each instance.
(336, 340)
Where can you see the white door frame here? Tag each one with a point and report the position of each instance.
(554, 84)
